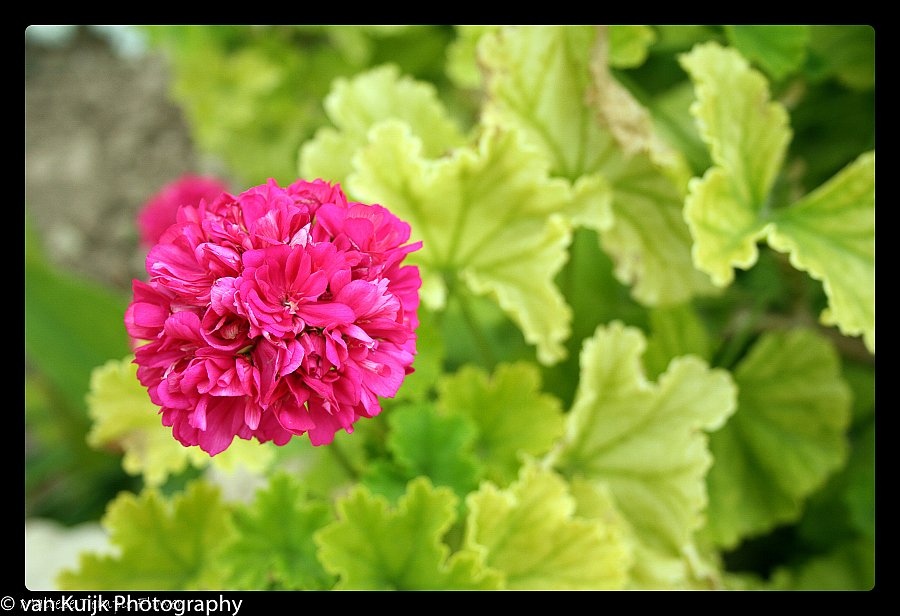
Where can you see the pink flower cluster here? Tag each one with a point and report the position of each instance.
(278, 312)
(158, 214)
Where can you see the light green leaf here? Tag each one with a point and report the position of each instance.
(438, 447)
(725, 230)
(125, 418)
(830, 233)
(488, 218)
(539, 83)
(531, 534)
(785, 440)
(748, 134)
(462, 60)
(372, 546)
(779, 50)
(355, 106)
(646, 442)
(629, 45)
(165, 544)
(273, 547)
(511, 414)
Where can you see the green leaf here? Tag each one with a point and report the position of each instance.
(747, 133)
(847, 52)
(849, 567)
(165, 544)
(355, 106)
(125, 418)
(372, 546)
(511, 414)
(539, 82)
(830, 233)
(429, 360)
(438, 447)
(462, 59)
(488, 218)
(629, 45)
(675, 331)
(785, 440)
(779, 50)
(273, 547)
(646, 442)
(531, 534)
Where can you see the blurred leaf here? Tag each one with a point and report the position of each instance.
(513, 418)
(355, 106)
(488, 217)
(646, 442)
(539, 80)
(165, 544)
(530, 533)
(629, 45)
(779, 50)
(786, 438)
(374, 547)
(847, 52)
(273, 546)
(849, 567)
(830, 232)
(424, 443)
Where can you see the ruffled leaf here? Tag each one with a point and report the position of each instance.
(356, 105)
(646, 442)
(511, 414)
(785, 440)
(273, 548)
(830, 233)
(423, 443)
(539, 83)
(372, 546)
(531, 534)
(125, 419)
(486, 217)
(166, 544)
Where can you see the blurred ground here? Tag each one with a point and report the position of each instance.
(101, 136)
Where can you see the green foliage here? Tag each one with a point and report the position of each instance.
(779, 50)
(512, 416)
(646, 442)
(511, 529)
(785, 439)
(830, 233)
(374, 547)
(165, 544)
(273, 545)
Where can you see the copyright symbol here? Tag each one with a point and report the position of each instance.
(7, 603)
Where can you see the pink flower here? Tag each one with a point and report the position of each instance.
(158, 214)
(279, 312)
